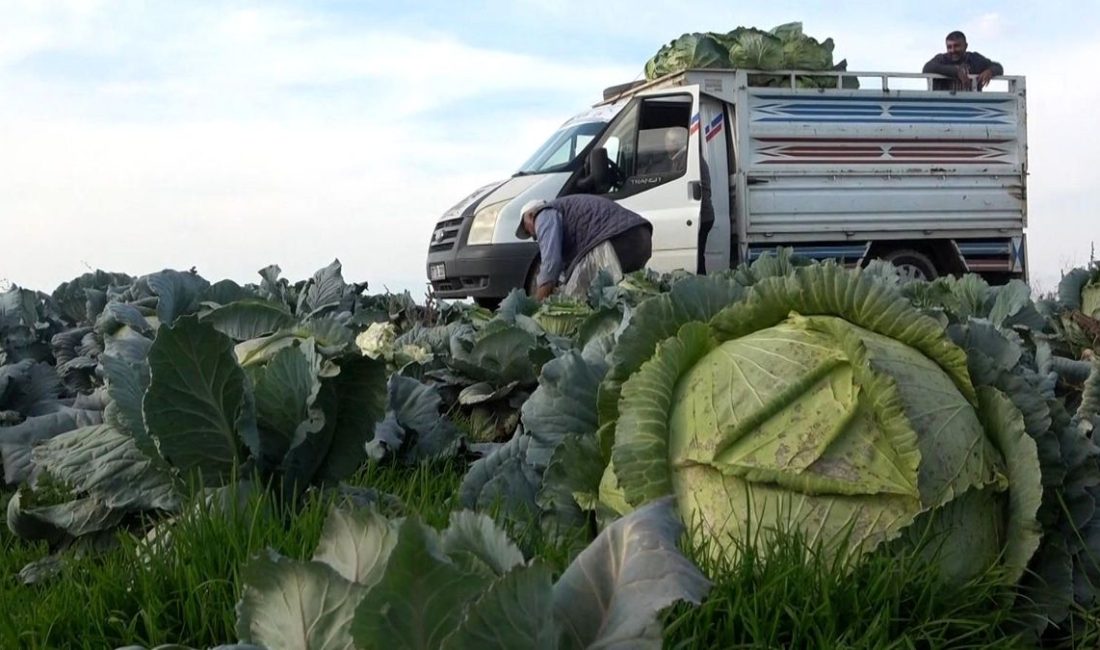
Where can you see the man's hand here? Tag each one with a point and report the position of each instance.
(985, 77)
(963, 74)
(544, 291)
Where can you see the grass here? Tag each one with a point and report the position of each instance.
(186, 594)
(785, 593)
(776, 595)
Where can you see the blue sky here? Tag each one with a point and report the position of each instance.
(136, 136)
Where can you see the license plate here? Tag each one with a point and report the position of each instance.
(437, 272)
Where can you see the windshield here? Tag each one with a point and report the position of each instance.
(561, 148)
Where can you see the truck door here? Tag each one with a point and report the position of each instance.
(716, 207)
(654, 147)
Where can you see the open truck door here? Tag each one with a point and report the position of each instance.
(648, 160)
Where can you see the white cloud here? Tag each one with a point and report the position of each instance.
(31, 26)
(14, 45)
(221, 163)
(215, 60)
(987, 26)
(229, 198)
(231, 139)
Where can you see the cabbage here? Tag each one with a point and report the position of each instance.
(802, 52)
(687, 51)
(377, 341)
(561, 317)
(1076, 312)
(784, 47)
(756, 50)
(824, 403)
(375, 582)
(1090, 299)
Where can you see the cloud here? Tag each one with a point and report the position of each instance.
(230, 197)
(284, 61)
(137, 137)
(257, 137)
(987, 26)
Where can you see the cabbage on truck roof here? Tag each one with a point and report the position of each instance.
(784, 47)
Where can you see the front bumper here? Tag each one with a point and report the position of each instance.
(489, 271)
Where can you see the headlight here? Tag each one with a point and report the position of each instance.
(485, 222)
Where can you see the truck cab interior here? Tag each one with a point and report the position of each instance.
(648, 139)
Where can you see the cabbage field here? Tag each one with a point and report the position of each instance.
(789, 454)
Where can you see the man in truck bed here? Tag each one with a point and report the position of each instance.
(578, 235)
(960, 66)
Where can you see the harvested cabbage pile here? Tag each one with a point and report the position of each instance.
(785, 47)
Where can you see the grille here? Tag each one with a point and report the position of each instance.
(445, 235)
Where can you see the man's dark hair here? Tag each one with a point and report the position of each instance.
(956, 36)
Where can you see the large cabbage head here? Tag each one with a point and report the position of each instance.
(802, 52)
(1079, 290)
(824, 403)
(695, 50)
(755, 50)
(1077, 311)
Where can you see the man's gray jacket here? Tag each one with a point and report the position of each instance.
(974, 63)
(586, 222)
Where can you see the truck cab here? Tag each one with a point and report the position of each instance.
(730, 164)
(473, 251)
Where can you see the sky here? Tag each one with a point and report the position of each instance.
(227, 136)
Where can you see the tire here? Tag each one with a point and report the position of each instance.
(532, 283)
(912, 265)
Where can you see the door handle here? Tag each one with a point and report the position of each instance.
(752, 180)
(696, 190)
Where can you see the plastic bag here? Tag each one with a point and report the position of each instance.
(584, 274)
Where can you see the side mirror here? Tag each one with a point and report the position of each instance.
(598, 180)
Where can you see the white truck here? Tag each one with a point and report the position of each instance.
(933, 181)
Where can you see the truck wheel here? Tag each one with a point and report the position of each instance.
(912, 265)
(533, 279)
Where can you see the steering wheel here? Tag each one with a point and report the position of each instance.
(618, 178)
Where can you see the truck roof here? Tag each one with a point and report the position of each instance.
(602, 112)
